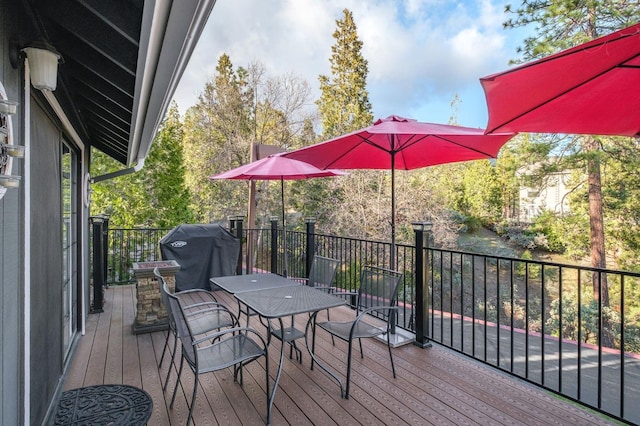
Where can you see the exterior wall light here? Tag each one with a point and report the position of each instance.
(43, 65)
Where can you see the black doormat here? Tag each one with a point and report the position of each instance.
(104, 405)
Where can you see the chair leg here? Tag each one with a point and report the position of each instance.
(175, 388)
(333, 340)
(293, 346)
(172, 363)
(193, 397)
(361, 353)
(164, 350)
(393, 368)
(237, 372)
(346, 393)
(292, 343)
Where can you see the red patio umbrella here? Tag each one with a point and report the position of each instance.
(401, 143)
(589, 89)
(277, 167)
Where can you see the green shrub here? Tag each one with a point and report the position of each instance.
(547, 233)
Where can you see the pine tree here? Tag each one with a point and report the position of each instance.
(163, 176)
(560, 24)
(155, 196)
(344, 101)
(344, 107)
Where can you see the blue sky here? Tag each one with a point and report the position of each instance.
(421, 53)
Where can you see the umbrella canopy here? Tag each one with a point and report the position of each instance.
(589, 89)
(401, 143)
(277, 167)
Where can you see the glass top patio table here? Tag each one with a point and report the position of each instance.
(240, 283)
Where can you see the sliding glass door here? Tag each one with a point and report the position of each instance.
(69, 203)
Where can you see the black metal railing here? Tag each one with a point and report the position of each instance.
(547, 323)
(127, 246)
(551, 324)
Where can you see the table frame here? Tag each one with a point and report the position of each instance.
(277, 302)
(233, 284)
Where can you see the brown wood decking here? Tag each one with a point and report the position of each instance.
(433, 386)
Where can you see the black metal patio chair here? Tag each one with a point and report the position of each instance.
(205, 316)
(377, 295)
(321, 275)
(232, 347)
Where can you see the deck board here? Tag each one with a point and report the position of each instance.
(433, 386)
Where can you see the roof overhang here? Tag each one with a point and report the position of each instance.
(123, 60)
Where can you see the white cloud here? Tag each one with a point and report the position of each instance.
(420, 52)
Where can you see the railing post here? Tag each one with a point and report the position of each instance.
(274, 244)
(98, 264)
(105, 247)
(232, 224)
(423, 233)
(311, 243)
(250, 244)
(239, 220)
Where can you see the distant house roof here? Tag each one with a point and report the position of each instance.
(122, 63)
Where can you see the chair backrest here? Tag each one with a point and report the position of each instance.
(323, 271)
(182, 327)
(378, 287)
(165, 297)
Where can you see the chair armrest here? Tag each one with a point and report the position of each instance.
(337, 291)
(216, 335)
(212, 336)
(202, 306)
(196, 290)
(212, 308)
(372, 309)
(195, 315)
(376, 308)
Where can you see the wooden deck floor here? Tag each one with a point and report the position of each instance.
(434, 386)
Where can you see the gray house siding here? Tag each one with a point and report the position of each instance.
(43, 310)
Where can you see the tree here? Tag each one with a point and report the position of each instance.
(236, 108)
(560, 24)
(622, 199)
(218, 131)
(506, 172)
(344, 101)
(155, 196)
(122, 197)
(343, 107)
(164, 175)
(482, 191)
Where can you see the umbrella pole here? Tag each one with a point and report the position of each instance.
(284, 227)
(392, 257)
